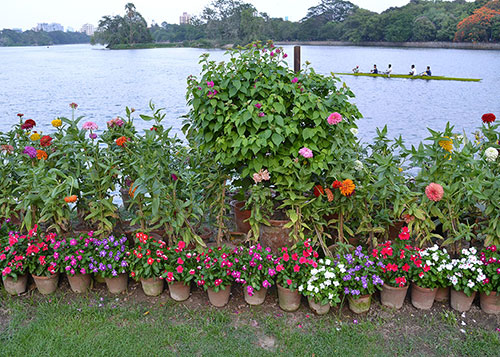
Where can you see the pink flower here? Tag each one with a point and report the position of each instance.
(295, 80)
(217, 282)
(90, 125)
(288, 281)
(261, 114)
(73, 105)
(305, 152)
(296, 269)
(258, 105)
(180, 269)
(434, 192)
(250, 290)
(285, 55)
(210, 84)
(334, 118)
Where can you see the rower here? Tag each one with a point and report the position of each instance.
(388, 71)
(428, 71)
(355, 69)
(413, 70)
(374, 70)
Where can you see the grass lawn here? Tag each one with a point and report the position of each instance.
(100, 324)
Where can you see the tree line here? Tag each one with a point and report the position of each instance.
(41, 38)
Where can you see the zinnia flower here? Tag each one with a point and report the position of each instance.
(28, 124)
(329, 194)
(306, 153)
(434, 192)
(358, 165)
(121, 140)
(90, 125)
(491, 154)
(347, 188)
(115, 122)
(93, 136)
(318, 191)
(9, 149)
(130, 191)
(30, 151)
(488, 118)
(446, 144)
(70, 199)
(45, 140)
(35, 136)
(56, 123)
(40, 154)
(336, 184)
(334, 118)
(73, 105)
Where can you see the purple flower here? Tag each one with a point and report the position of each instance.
(114, 273)
(93, 136)
(102, 267)
(110, 266)
(346, 290)
(355, 292)
(123, 264)
(266, 284)
(30, 151)
(102, 253)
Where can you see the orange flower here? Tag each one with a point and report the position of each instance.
(40, 154)
(130, 191)
(329, 194)
(70, 199)
(347, 188)
(121, 140)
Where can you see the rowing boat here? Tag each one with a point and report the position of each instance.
(407, 76)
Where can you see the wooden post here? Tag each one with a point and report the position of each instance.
(296, 59)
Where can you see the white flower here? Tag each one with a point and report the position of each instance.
(301, 288)
(428, 262)
(470, 284)
(336, 283)
(316, 290)
(491, 154)
(358, 165)
(328, 282)
(328, 262)
(321, 286)
(310, 288)
(329, 275)
(330, 296)
(314, 271)
(454, 280)
(473, 250)
(354, 131)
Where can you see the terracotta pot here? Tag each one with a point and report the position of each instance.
(317, 308)
(179, 291)
(461, 302)
(275, 236)
(490, 303)
(393, 296)
(220, 298)
(15, 287)
(152, 286)
(46, 284)
(117, 284)
(422, 298)
(99, 279)
(79, 283)
(257, 298)
(288, 299)
(443, 294)
(240, 216)
(361, 304)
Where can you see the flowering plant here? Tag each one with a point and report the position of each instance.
(431, 267)
(490, 257)
(180, 265)
(110, 257)
(292, 265)
(467, 272)
(147, 258)
(214, 268)
(13, 255)
(76, 254)
(323, 283)
(43, 253)
(254, 267)
(359, 274)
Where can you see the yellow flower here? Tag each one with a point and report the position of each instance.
(56, 123)
(446, 144)
(400, 169)
(35, 137)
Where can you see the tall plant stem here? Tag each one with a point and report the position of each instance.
(220, 216)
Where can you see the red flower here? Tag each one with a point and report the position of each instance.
(45, 140)
(488, 118)
(288, 281)
(28, 124)
(180, 261)
(401, 281)
(296, 269)
(180, 269)
(405, 234)
(426, 268)
(150, 261)
(73, 105)
(20, 115)
(336, 184)
(217, 282)
(318, 191)
(121, 141)
(181, 245)
(295, 256)
(302, 260)
(421, 274)
(132, 274)
(279, 267)
(286, 257)
(434, 192)
(375, 253)
(406, 268)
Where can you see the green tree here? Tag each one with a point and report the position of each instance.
(423, 30)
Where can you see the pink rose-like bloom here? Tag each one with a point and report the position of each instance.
(295, 80)
(305, 152)
(258, 105)
(334, 118)
(257, 178)
(434, 192)
(90, 125)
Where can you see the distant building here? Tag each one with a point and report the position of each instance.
(88, 29)
(286, 18)
(49, 27)
(70, 29)
(184, 19)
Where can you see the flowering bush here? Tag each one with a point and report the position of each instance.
(13, 255)
(323, 283)
(109, 257)
(490, 257)
(214, 268)
(180, 265)
(147, 258)
(359, 274)
(43, 253)
(292, 265)
(431, 267)
(76, 254)
(253, 267)
(467, 272)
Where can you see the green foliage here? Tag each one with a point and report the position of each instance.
(41, 38)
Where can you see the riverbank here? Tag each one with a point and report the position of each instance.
(446, 45)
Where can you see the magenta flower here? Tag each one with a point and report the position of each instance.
(261, 114)
(90, 125)
(306, 153)
(334, 118)
(295, 80)
(174, 177)
(258, 105)
(285, 55)
(250, 290)
(93, 136)
(272, 54)
(434, 192)
(30, 151)
(210, 84)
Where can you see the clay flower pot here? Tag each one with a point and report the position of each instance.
(257, 298)
(490, 303)
(179, 291)
(289, 300)
(117, 284)
(79, 283)
(15, 287)
(240, 216)
(422, 298)
(46, 284)
(442, 294)
(219, 298)
(318, 308)
(461, 302)
(152, 286)
(359, 305)
(275, 236)
(393, 296)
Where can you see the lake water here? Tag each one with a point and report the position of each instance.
(40, 82)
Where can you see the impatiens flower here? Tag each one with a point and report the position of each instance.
(30, 151)
(405, 234)
(73, 105)
(45, 140)
(306, 153)
(334, 118)
(434, 192)
(28, 124)
(40, 154)
(90, 125)
(488, 118)
(491, 154)
(347, 188)
(56, 123)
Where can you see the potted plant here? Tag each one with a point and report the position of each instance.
(360, 279)
(110, 260)
(490, 289)
(254, 269)
(323, 286)
(466, 279)
(179, 271)
(76, 254)
(13, 261)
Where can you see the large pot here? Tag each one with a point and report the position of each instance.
(442, 294)
(152, 286)
(275, 236)
(490, 303)
(460, 301)
(257, 298)
(393, 296)
(240, 216)
(79, 283)
(359, 305)
(219, 298)
(179, 291)
(46, 284)
(318, 308)
(15, 286)
(422, 298)
(117, 284)
(289, 300)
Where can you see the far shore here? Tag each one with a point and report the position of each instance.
(447, 45)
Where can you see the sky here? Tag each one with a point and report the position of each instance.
(26, 14)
